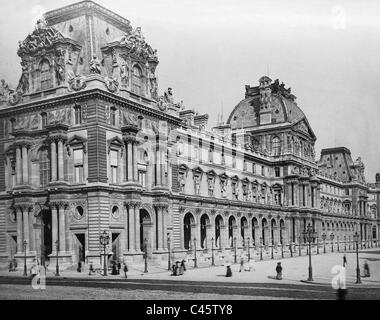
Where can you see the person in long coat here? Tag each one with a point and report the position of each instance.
(228, 271)
(279, 271)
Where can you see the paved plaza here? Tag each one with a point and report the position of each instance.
(207, 282)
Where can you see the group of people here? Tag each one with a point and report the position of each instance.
(178, 268)
(116, 267)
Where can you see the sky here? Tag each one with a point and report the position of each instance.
(328, 52)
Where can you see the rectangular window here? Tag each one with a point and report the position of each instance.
(277, 172)
(142, 178)
(113, 117)
(78, 165)
(77, 115)
(114, 165)
(253, 168)
(262, 170)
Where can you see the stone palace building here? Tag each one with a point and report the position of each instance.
(88, 145)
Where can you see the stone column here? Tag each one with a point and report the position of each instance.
(131, 233)
(163, 223)
(130, 161)
(121, 167)
(160, 228)
(62, 228)
(158, 166)
(67, 229)
(25, 164)
(32, 240)
(18, 165)
(54, 226)
(134, 156)
(136, 210)
(61, 175)
(26, 227)
(19, 230)
(53, 161)
(223, 236)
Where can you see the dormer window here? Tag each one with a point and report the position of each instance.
(137, 80)
(46, 77)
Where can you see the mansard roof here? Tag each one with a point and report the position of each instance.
(283, 107)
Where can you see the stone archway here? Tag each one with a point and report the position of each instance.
(219, 223)
(146, 231)
(243, 228)
(231, 233)
(255, 231)
(264, 231)
(188, 223)
(205, 223)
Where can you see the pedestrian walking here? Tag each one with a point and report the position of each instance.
(114, 269)
(118, 267)
(91, 269)
(279, 271)
(125, 269)
(344, 261)
(183, 266)
(241, 264)
(79, 269)
(366, 269)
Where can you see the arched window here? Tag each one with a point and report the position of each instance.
(137, 80)
(46, 75)
(276, 146)
(44, 167)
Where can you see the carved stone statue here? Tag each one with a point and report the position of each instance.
(210, 182)
(60, 66)
(181, 178)
(4, 91)
(197, 184)
(223, 187)
(23, 85)
(168, 95)
(124, 74)
(377, 177)
(153, 83)
(95, 65)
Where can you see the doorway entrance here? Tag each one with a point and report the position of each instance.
(80, 247)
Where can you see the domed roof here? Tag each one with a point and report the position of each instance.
(283, 108)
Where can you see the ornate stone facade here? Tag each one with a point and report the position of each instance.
(88, 145)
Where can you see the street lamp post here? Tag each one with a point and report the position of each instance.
(168, 242)
(324, 242)
(195, 253)
(356, 239)
(332, 242)
(104, 241)
(235, 246)
(145, 255)
(212, 252)
(57, 265)
(309, 235)
(317, 245)
(249, 249)
(271, 255)
(261, 248)
(25, 267)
